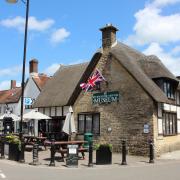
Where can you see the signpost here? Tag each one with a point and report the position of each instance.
(106, 97)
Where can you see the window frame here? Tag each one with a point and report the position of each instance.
(169, 123)
(169, 89)
(84, 119)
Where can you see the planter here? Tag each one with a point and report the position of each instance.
(6, 149)
(103, 155)
(14, 152)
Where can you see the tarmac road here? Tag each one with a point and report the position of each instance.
(163, 171)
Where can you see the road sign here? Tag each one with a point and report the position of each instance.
(28, 101)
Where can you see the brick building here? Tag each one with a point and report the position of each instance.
(138, 102)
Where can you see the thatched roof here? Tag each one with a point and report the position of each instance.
(130, 64)
(58, 90)
(63, 88)
(154, 68)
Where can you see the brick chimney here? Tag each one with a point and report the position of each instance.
(108, 36)
(13, 84)
(33, 66)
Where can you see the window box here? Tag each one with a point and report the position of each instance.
(103, 154)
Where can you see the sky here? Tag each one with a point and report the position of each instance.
(67, 32)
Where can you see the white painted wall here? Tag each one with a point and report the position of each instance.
(159, 109)
(178, 126)
(160, 126)
(178, 112)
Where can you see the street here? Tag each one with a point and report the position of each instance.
(162, 171)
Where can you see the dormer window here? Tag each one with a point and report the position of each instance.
(168, 89)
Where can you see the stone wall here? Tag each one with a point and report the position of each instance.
(126, 117)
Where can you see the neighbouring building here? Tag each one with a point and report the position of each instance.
(11, 99)
(138, 102)
(55, 104)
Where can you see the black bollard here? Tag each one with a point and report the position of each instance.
(151, 152)
(53, 151)
(21, 153)
(123, 153)
(90, 161)
(35, 155)
(2, 148)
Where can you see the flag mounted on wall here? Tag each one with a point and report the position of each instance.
(93, 81)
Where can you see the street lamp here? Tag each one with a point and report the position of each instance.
(24, 64)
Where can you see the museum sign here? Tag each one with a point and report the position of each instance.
(106, 97)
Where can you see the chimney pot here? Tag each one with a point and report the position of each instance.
(33, 66)
(108, 35)
(13, 84)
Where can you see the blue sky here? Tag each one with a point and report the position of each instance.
(67, 32)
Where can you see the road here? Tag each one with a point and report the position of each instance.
(164, 171)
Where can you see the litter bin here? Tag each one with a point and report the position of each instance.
(88, 137)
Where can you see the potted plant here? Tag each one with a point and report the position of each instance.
(14, 147)
(103, 154)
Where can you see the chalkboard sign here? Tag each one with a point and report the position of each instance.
(72, 156)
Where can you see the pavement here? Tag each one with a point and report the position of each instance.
(132, 161)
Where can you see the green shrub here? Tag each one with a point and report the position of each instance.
(14, 140)
(97, 146)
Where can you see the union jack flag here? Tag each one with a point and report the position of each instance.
(92, 81)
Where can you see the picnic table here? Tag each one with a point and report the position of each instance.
(30, 140)
(61, 146)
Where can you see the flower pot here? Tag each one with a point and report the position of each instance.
(14, 152)
(103, 155)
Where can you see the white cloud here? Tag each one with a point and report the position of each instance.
(152, 26)
(176, 50)
(33, 24)
(10, 71)
(4, 85)
(59, 35)
(169, 60)
(52, 69)
(160, 3)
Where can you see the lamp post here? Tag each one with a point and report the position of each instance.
(24, 64)
(24, 59)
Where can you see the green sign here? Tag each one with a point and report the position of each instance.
(106, 97)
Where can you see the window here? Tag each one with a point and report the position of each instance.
(168, 89)
(169, 123)
(178, 97)
(89, 123)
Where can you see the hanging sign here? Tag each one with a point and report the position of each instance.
(106, 97)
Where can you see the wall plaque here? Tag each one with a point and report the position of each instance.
(106, 97)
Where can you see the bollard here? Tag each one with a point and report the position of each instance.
(151, 152)
(35, 155)
(123, 153)
(2, 149)
(21, 153)
(90, 161)
(52, 162)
